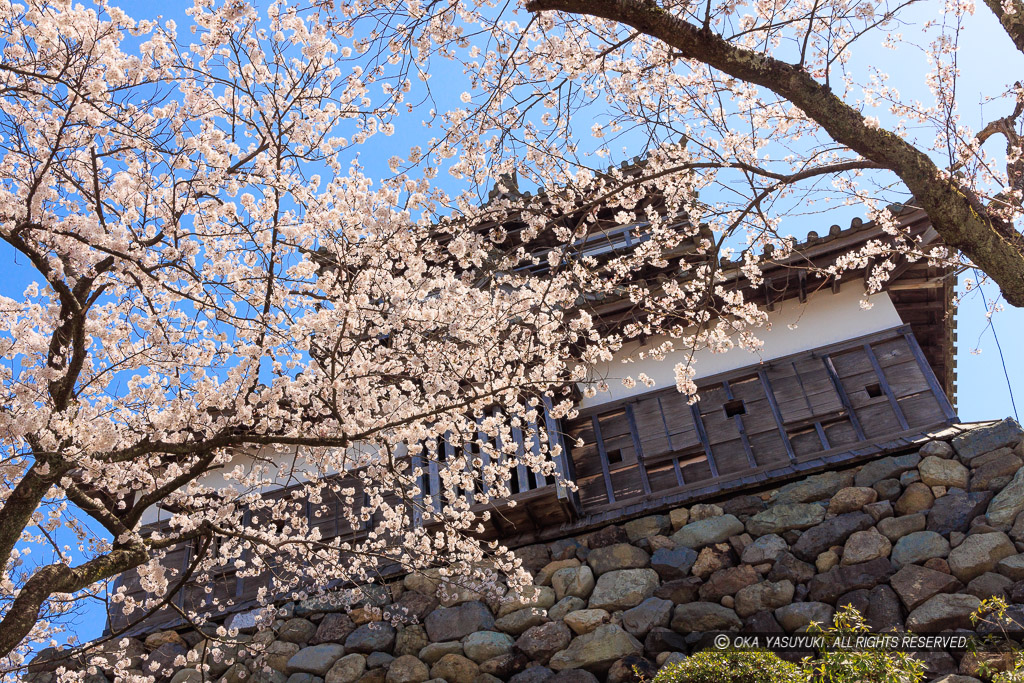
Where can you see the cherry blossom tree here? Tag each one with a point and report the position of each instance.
(229, 299)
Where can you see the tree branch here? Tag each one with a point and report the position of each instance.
(959, 217)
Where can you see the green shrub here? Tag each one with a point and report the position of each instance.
(859, 666)
(716, 666)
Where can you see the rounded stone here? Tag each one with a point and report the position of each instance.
(916, 547)
(455, 669)
(917, 497)
(936, 471)
(407, 669)
(484, 645)
(348, 669)
(864, 546)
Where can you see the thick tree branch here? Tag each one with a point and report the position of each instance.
(961, 219)
(60, 578)
(1013, 23)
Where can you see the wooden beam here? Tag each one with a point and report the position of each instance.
(929, 376)
(638, 448)
(837, 384)
(896, 409)
(521, 474)
(698, 422)
(822, 438)
(776, 413)
(740, 427)
(675, 461)
(605, 470)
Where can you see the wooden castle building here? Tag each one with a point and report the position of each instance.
(833, 384)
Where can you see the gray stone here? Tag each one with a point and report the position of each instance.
(517, 622)
(834, 531)
(541, 597)
(940, 449)
(452, 623)
(564, 606)
(787, 567)
(728, 582)
(536, 556)
(533, 674)
(607, 536)
(798, 615)
(631, 669)
(981, 440)
(955, 511)
(411, 605)
(895, 528)
(573, 676)
(407, 669)
(597, 651)
(316, 659)
(680, 590)
(433, 652)
(410, 640)
(835, 582)
(784, 517)
(573, 581)
(708, 531)
(936, 471)
(616, 556)
(704, 616)
(864, 546)
(645, 527)
(884, 612)
(979, 553)
(943, 612)
(586, 620)
(764, 549)
(879, 510)
(379, 660)
(916, 498)
(334, 628)
(277, 655)
(764, 596)
(888, 489)
(915, 585)
(851, 499)
(376, 636)
(1012, 567)
(304, 678)
(624, 588)
(484, 645)
(649, 614)
(1008, 503)
(885, 468)
(993, 471)
(455, 669)
(988, 585)
(674, 563)
(541, 642)
(916, 547)
(816, 487)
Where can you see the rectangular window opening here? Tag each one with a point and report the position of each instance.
(874, 390)
(614, 456)
(734, 408)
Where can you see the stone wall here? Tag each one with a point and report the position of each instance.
(914, 541)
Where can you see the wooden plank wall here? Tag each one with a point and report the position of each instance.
(755, 420)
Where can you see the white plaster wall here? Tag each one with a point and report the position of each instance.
(825, 319)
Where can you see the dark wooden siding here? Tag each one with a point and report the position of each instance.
(756, 421)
